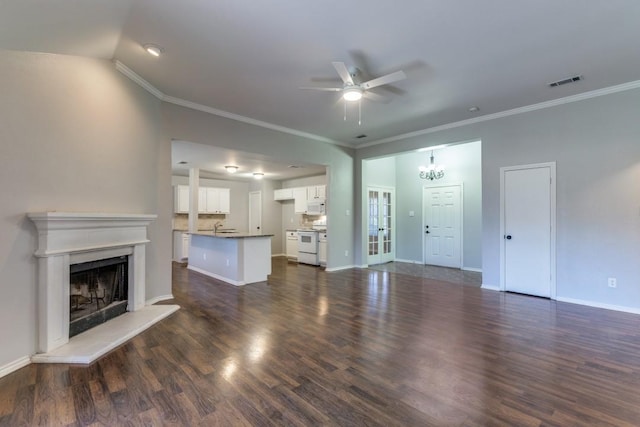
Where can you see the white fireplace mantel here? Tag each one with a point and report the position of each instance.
(66, 238)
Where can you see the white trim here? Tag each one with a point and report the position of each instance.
(520, 110)
(14, 366)
(132, 75)
(490, 287)
(408, 261)
(277, 255)
(158, 299)
(344, 267)
(475, 270)
(552, 201)
(600, 305)
(217, 276)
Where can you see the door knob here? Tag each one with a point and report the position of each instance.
(508, 237)
(427, 232)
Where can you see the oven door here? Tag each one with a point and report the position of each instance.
(308, 242)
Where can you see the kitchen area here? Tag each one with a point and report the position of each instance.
(293, 212)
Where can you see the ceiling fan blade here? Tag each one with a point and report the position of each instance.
(376, 97)
(384, 80)
(325, 89)
(344, 73)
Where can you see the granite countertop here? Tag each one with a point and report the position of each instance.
(235, 235)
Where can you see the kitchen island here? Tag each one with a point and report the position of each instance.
(235, 258)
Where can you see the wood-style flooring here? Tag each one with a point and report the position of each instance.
(349, 348)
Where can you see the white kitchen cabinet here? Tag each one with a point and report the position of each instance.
(202, 200)
(181, 199)
(283, 194)
(300, 200)
(292, 244)
(210, 200)
(218, 200)
(181, 242)
(322, 248)
(316, 192)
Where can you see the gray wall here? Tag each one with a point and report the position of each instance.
(271, 213)
(595, 145)
(75, 135)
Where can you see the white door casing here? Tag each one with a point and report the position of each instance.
(528, 229)
(442, 225)
(380, 225)
(255, 212)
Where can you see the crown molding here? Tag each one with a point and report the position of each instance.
(216, 112)
(520, 110)
(132, 75)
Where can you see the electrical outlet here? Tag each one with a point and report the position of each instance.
(613, 283)
(346, 253)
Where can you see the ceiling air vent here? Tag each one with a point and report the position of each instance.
(361, 136)
(566, 81)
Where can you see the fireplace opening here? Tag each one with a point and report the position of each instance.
(99, 291)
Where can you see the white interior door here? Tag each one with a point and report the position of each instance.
(442, 218)
(380, 225)
(255, 212)
(528, 229)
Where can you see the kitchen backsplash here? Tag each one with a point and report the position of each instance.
(205, 222)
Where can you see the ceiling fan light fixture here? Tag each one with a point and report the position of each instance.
(231, 169)
(352, 94)
(258, 175)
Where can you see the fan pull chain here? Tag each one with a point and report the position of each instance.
(345, 110)
(359, 112)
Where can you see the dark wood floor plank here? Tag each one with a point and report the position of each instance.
(394, 345)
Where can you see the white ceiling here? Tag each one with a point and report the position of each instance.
(250, 57)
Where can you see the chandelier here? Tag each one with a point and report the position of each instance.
(432, 171)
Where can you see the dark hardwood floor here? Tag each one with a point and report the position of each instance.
(355, 347)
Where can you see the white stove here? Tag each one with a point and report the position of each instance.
(308, 246)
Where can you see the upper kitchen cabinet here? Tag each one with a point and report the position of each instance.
(210, 200)
(283, 194)
(181, 199)
(218, 200)
(300, 199)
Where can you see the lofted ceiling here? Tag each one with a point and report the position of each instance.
(250, 58)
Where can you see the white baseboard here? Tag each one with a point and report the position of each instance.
(277, 255)
(343, 267)
(476, 270)
(622, 308)
(158, 299)
(408, 261)
(362, 266)
(490, 287)
(14, 366)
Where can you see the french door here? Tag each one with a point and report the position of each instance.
(380, 225)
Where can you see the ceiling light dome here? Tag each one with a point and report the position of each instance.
(153, 49)
(231, 169)
(258, 175)
(352, 94)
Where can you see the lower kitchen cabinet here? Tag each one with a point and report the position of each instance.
(181, 242)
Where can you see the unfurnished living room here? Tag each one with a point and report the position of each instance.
(291, 213)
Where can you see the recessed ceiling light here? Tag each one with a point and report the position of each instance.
(258, 175)
(474, 109)
(182, 162)
(153, 49)
(231, 169)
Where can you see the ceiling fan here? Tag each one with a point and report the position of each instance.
(354, 90)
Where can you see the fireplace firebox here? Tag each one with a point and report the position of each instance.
(98, 292)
